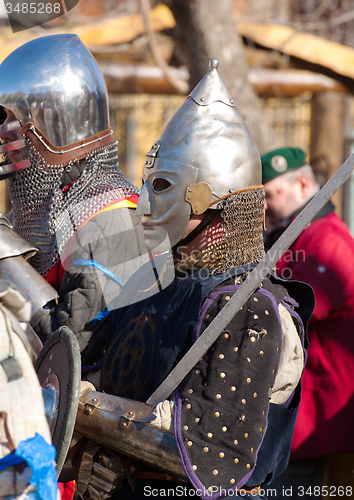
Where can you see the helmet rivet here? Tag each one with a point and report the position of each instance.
(188, 198)
(213, 64)
(189, 190)
(232, 101)
(202, 99)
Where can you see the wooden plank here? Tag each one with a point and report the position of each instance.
(339, 58)
(124, 29)
(101, 33)
(292, 82)
(143, 78)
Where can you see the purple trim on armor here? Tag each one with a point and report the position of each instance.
(193, 478)
(288, 401)
(291, 300)
(296, 315)
(88, 368)
(207, 304)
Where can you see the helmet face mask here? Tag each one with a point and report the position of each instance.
(164, 217)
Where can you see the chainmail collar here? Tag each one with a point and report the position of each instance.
(47, 216)
(243, 223)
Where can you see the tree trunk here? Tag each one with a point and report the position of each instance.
(209, 30)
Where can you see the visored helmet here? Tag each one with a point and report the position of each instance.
(205, 159)
(208, 133)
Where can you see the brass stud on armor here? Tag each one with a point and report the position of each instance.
(189, 443)
(218, 396)
(253, 339)
(226, 335)
(224, 429)
(255, 394)
(222, 375)
(255, 299)
(255, 316)
(197, 372)
(227, 297)
(221, 356)
(194, 467)
(246, 435)
(267, 312)
(243, 401)
(215, 472)
(197, 419)
(236, 442)
(217, 414)
(206, 449)
(207, 316)
(210, 434)
(235, 349)
(233, 388)
(185, 427)
(236, 460)
(248, 466)
(261, 429)
(190, 391)
(248, 380)
(188, 406)
(252, 450)
(221, 455)
(261, 353)
(232, 481)
(249, 360)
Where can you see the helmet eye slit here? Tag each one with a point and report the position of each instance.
(160, 184)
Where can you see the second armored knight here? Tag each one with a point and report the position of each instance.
(233, 416)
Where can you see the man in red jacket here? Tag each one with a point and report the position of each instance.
(322, 458)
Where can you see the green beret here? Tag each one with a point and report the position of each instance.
(281, 160)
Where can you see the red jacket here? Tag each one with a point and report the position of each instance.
(323, 257)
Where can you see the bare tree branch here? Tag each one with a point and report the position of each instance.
(180, 85)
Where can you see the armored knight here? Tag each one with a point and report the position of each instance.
(227, 429)
(69, 198)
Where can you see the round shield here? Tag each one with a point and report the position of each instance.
(58, 368)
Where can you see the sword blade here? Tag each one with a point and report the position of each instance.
(220, 322)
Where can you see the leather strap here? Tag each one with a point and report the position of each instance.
(63, 155)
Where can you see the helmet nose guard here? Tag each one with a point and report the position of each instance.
(144, 204)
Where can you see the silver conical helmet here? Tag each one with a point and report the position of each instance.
(208, 133)
(55, 83)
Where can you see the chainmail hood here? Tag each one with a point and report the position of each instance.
(243, 223)
(46, 215)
